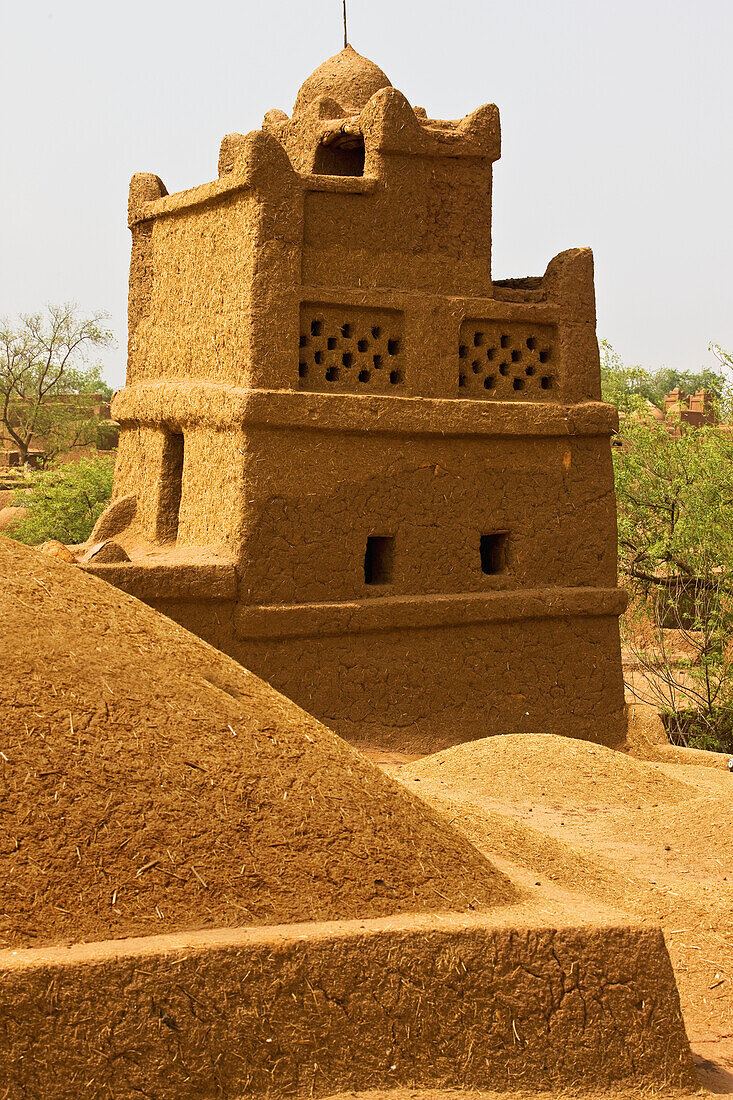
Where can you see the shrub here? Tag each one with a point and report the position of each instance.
(65, 502)
(675, 524)
(694, 730)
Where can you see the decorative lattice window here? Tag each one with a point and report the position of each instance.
(350, 349)
(507, 360)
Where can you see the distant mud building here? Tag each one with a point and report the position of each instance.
(90, 406)
(374, 476)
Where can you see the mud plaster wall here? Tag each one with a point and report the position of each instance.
(211, 619)
(194, 320)
(211, 501)
(305, 1011)
(407, 345)
(422, 690)
(314, 497)
(411, 687)
(138, 469)
(428, 227)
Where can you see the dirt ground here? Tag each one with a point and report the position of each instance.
(651, 839)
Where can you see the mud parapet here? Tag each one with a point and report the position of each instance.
(440, 1001)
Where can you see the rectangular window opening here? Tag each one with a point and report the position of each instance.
(346, 158)
(171, 482)
(493, 553)
(379, 559)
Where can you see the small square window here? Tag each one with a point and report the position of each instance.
(493, 553)
(379, 559)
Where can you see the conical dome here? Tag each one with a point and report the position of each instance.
(347, 77)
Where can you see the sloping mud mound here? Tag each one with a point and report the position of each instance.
(545, 769)
(549, 859)
(148, 783)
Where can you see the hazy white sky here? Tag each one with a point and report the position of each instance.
(617, 121)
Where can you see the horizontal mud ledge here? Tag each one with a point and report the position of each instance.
(187, 582)
(225, 406)
(420, 611)
(438, 1001)
(230, 185)
(180, 581)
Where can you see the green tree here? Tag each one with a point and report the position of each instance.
(65, 502)
(628, 387)
(725, 358)
(46, 380)
(675, 528)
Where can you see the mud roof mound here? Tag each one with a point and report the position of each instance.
(545, 769)
(347, 77)
(149, 783)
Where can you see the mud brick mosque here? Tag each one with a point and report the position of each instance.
(350, 459)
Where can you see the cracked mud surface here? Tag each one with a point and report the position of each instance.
(530, 997)
(651, 839)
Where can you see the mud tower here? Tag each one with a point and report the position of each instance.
(348, 458)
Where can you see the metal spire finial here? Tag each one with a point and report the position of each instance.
(346, 36)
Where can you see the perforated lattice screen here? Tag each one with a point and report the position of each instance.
(507, 361)
(350, 348)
